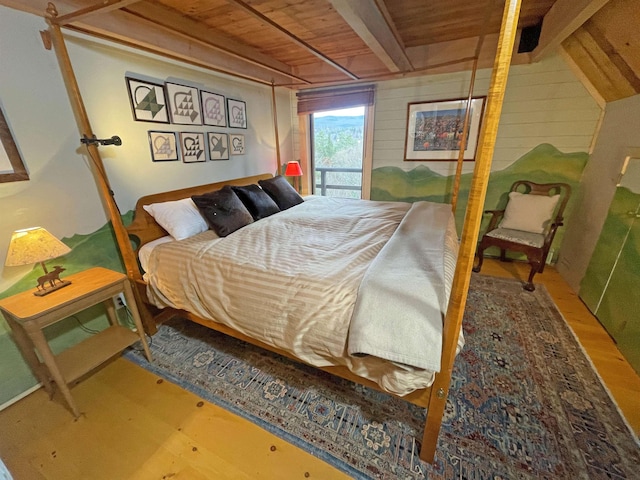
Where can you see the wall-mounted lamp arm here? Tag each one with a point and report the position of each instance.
(115, 140)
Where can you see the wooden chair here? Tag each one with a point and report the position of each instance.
(527, 225)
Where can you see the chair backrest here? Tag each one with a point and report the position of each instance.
(546, 189)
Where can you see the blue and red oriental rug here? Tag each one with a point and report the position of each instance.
(525, 402)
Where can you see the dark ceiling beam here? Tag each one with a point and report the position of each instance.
(256, 14)
(564, 18)
(371, 25)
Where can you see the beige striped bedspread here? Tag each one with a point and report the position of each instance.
(291, 280)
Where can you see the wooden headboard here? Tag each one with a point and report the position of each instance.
(145, 229)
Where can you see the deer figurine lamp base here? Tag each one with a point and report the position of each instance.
(50, 281)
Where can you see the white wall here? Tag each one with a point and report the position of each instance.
(101, 70)
(619, 132)
(62, 195)
(544, 103)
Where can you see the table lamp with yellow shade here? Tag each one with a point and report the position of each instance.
(36, 245)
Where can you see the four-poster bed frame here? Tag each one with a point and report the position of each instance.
(433, 398)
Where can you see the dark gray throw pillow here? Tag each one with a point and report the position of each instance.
(223, 210)
(281, 191)
(259, 204)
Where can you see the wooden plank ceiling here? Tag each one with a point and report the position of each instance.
(309, 43)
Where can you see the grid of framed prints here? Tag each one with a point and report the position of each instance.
(174, 103)
(193, 147)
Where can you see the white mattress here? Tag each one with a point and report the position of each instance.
(4, 472)
(291, 280)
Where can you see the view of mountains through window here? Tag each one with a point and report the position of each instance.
(338, 152)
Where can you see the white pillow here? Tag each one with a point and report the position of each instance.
(529, 213)
(180, 218)
(145, 251)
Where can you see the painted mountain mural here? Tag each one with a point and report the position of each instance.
(543, 164)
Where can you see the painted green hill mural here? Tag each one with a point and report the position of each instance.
(613, 275)
(543, 164)
(97, 249)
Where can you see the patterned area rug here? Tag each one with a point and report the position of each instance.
(525, 402)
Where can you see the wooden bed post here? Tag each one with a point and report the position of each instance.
(471, 228)
(54, 36)
(275, 126)
(463, 139)
(467, 115)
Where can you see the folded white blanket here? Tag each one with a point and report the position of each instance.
(402, 298)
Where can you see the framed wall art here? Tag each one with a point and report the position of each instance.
(236, 144)
(148, 101)
(184, 104)
(12, 167)
(434, 129)
(214, 111)
(237, 113)
(164, 146)
(192, 147)
(218, 146)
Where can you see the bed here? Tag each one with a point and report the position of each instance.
(146, 230)
(307, 281)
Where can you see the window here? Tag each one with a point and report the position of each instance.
(338, 129)
(337, 151)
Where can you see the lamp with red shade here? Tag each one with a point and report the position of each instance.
(294, 170)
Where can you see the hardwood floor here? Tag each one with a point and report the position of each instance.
(137, 427)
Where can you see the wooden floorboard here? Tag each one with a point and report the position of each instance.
(135, 426)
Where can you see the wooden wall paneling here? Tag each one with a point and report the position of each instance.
(562, 112)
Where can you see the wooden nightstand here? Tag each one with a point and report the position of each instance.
(28, 315)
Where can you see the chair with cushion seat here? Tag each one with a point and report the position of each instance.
(527, 225)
